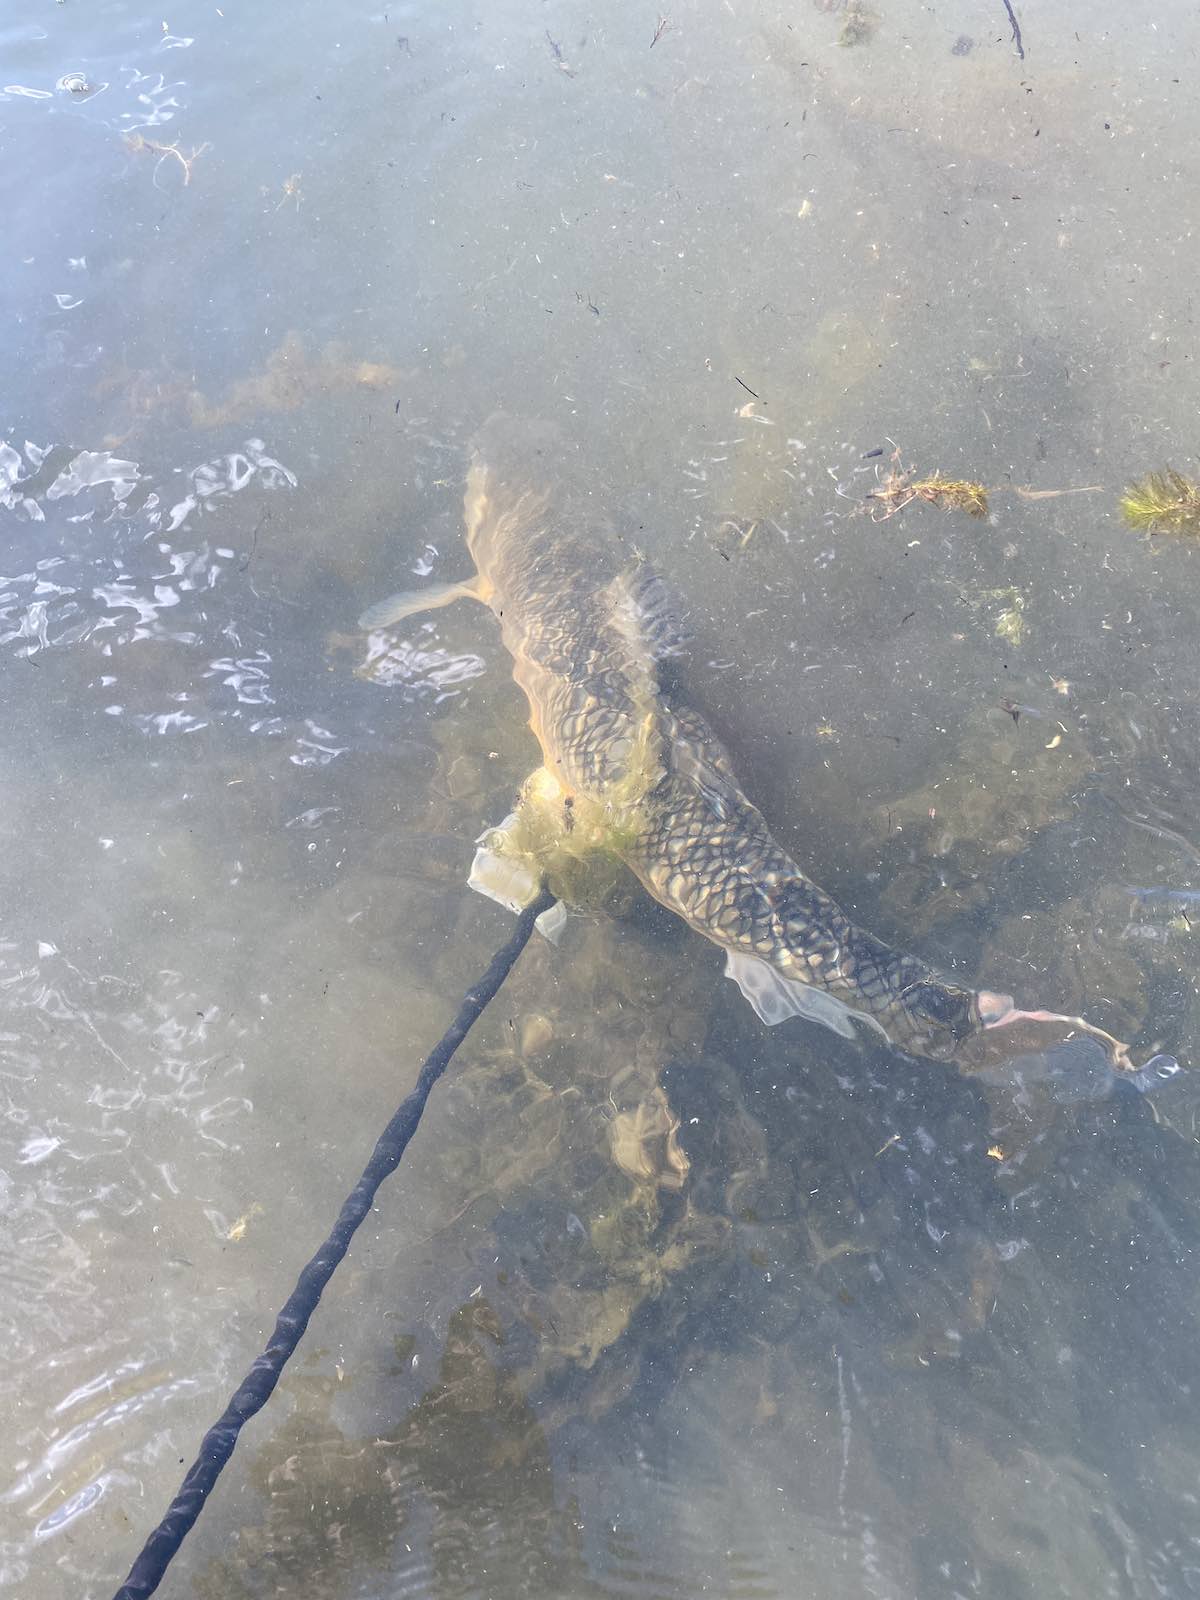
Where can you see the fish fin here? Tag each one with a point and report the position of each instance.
(409, 602)
(506, 880)
(698, 758)
(510, 883)
(647, 611)
(775, 997)
(552, 922)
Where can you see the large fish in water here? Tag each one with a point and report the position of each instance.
(588, 626)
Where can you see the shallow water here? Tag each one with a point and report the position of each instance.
(857, 1327)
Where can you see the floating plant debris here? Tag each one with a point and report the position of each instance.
(1163, 501)
(900, 489)
(858, 25)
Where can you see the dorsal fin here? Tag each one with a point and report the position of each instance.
(696, 756)
(647, 613)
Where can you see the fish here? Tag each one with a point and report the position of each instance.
(589, 625)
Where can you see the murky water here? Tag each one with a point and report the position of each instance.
(660, 1303)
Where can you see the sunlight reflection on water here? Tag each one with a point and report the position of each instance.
(662, 1304)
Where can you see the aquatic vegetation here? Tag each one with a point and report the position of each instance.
(858, 25)
(575, 842)
(290, 190)
(290, 379)
(580, 1128)
(137, 143)
(237, 1230)
(1010, 622)
(644, 1142)
(1163, 501)
(900, 489)
(953, 494)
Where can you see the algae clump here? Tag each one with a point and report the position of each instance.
(900, 489)
(574, 842)
(858, 25)
(1162, 501)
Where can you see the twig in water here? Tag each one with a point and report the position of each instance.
(137, 142)
(663, 24)
(263, 517)
(291, 191)
(745, 386)
(1053, 494)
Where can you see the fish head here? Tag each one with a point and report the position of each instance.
(985, 1034)
(934, 1018)
(1006, 1033)
(1071, 1058)
(980, 1029)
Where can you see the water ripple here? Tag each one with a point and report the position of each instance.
(420, 670)
(137, 583)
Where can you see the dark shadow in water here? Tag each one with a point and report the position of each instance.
(901, 1365)
(456, 1496)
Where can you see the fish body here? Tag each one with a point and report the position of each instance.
(587, 626)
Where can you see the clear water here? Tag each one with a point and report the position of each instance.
(859, 1327)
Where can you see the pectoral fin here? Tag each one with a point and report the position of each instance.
(504, 879)
(510, 882)
(410, 602)
(775, 997)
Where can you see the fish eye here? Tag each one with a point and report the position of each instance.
(946, 1006)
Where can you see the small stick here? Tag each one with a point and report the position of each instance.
(663, 24)
(1052, 494)
(745, 386)
(138, 141)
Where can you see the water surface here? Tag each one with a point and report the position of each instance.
(660, 1304)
